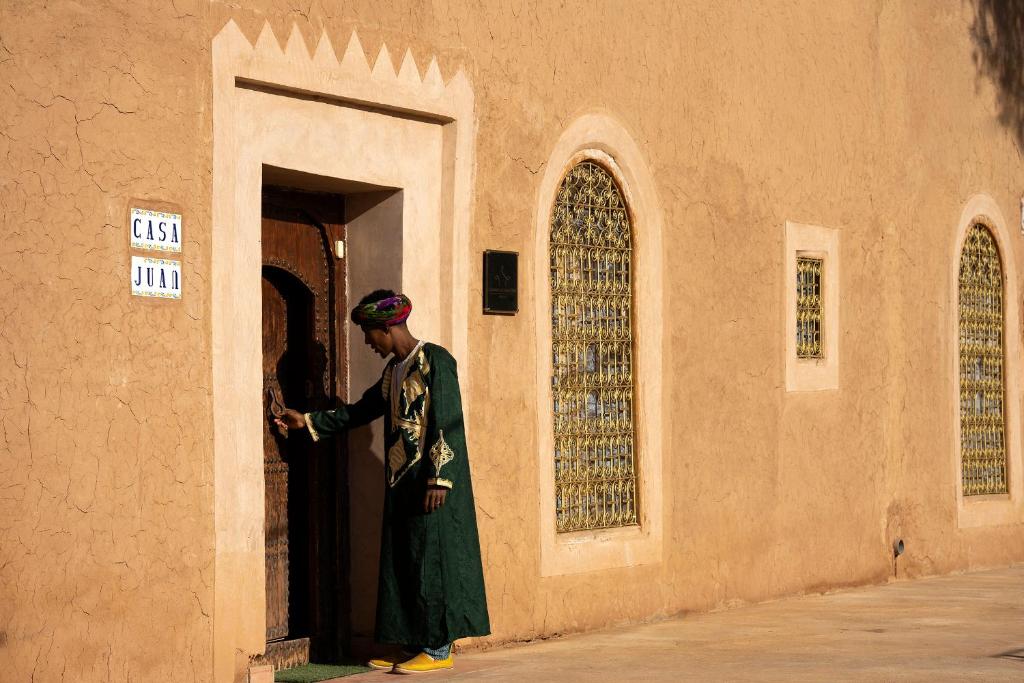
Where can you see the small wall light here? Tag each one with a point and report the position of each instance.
(897, 547)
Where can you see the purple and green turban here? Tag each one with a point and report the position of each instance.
(384, 313)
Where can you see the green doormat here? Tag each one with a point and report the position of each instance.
(311, 673)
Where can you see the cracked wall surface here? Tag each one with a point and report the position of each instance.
(869, 118)
(105, 532)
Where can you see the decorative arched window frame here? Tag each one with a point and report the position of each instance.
(598, 137)
(1003, 508)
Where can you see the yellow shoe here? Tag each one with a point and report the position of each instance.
(422, 663)
(387, 663)
(382, 663)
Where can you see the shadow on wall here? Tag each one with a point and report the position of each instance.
(998, 35)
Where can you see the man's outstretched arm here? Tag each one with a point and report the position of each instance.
(325, 423)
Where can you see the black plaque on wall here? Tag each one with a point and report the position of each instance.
(501, 282)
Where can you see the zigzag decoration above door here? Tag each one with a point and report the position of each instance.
(351, 78)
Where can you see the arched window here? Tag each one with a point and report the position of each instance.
(592, 352)
(982, 381)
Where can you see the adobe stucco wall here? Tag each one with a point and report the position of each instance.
(869, 119)
(106, 561)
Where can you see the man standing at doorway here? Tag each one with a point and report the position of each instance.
(431, 586)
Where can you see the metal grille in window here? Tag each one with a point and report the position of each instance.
(982, 427)
(592, 353)
(810, 318)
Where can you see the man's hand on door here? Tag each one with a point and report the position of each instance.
(290, 419)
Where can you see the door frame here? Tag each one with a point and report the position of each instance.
(394, 117)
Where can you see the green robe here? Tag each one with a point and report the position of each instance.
(431, 586)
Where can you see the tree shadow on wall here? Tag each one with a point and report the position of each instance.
(998, 35)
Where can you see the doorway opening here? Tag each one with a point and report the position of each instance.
(322, 246)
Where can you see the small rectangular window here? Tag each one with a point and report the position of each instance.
(809, 308)
(811, 325)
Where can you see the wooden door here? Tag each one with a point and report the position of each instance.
(303, 359)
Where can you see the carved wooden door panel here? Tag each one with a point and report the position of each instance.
(303, 359)
(275, 468)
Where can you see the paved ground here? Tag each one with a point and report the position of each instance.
(968, 627)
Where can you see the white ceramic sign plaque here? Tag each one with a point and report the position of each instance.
(156, 277)
(155, 230)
